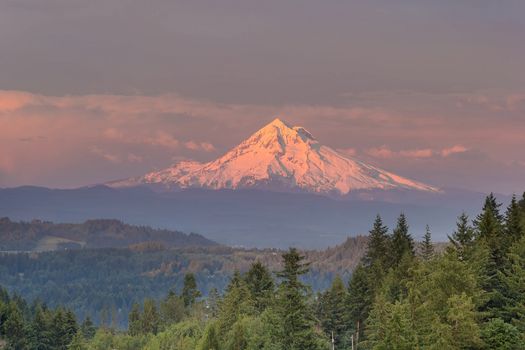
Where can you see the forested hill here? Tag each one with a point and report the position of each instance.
(94, 281)
(103, 233)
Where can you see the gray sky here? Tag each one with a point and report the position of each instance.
(96, 90)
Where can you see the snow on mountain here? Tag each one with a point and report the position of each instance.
(278, 156)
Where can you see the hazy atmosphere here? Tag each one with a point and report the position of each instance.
(101, 90)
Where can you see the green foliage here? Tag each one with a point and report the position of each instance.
(172, 309)
(463, 238)
(190, 293)
(88, 328)
(499, 335)
(332, 314)
(426, 247)
(134, 320)
(513, 279)
(210, 339)
(261, 286)
(402, 241)
(295, 314)
(178, 336)
(150, 317)
(378, 248)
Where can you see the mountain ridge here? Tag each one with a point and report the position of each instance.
(278, 157)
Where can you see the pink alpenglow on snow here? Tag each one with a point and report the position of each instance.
(280, 156)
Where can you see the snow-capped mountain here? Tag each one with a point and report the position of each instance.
(279, 157)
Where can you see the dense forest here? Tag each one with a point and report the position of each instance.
(125, 276)
(39, 235)
(402, 295)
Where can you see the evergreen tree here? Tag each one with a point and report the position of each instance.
(333, 315)
(14, 328)
(88, 329)
(172, 309)
(210, 339)
(236, 302)
(463, 238)
(59, 330)
(514, 229)
(260, 283)
(513, 279)
(70, 326)
(41, 337)
(426, 247)
(134, 320)
(402, 241)
(296, 316)
(359, 300)
(489, 222)
(499, 335)
(150, 317)
(78, 342)
(190, 293)
(490, 231)
(378, 244)
(214, 300)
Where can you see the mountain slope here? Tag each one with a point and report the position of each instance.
(278, 157)
(44, 235)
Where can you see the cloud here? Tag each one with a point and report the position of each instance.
(386, 153)
(113, 158)
(50, 135)
(199, 146)
(417, 153)
(164, 139)
(453, 150)
(381, 152)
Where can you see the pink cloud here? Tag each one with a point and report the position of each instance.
(200, 146)
(164, 139)
(417, 153)
(453, 150)
(384, 152)
(381, 152)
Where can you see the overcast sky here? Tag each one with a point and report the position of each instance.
(98, 90)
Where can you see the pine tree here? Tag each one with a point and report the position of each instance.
(214, 300)
(190, 293)
(513, 278)
(489, 222)
(14, 328)
(172, 309)
(134, 320)
(513, 225)
(59, 330)
(260, 283)
(236, 302)
(88, 329)
(210, 339)
(70, 326)
(402, 241)
(463, 238)
(360, 298)
(150, 317)
(377, 248)
(296, 316)
(490, 231)
(78, 342)
(426, 247)
(41, 337)
(333, 315)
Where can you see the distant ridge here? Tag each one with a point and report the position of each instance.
(278, 157)
(40, 235)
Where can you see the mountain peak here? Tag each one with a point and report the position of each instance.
(279, 156)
